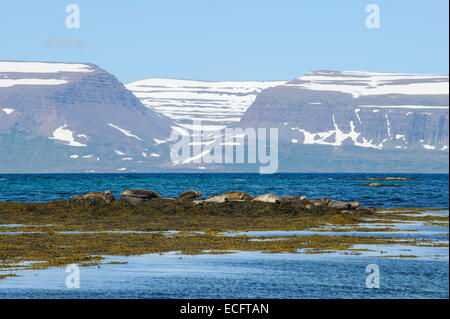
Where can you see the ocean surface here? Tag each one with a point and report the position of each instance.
(239, 275)
(414, 272)
(427, 190)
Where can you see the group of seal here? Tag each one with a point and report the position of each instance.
(136, 196)
(304, 202)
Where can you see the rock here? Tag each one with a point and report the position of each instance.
(107, 196)
(365, 210)
(135, 200)
(140, 193)
(379, 185)
(217, 199)
(267, 198)
(390, 179)
(303, 197)
(238, 195)
(302, 204)
(189, 195)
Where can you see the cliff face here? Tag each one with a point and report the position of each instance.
(358, 121)
(368, 110)
(72, 117)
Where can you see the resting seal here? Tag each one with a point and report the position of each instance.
(189, 195)
(140, 193)
(107, 196)
(217, 199)
(320, 201)
(267, 198)
(238, 195)
(293, 198)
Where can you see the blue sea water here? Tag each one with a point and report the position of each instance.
(428, 190)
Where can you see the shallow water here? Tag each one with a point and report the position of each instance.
(414, 272)
(238, 275)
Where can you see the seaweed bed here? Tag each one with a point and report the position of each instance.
(38, 231)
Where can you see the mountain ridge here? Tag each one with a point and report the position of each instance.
(76, 117)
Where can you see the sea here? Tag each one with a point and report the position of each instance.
(426, 190)
(250, 274)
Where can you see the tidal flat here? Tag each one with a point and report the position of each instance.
(53, 234)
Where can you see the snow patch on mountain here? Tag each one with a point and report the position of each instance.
(8, 111)
(216, 104)
(335, 137)
(62, 133)
(358, 83)
(42, 67)
(12, 82)
(406, 106)
(125, 132)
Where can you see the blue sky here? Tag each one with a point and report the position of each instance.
(231, 39)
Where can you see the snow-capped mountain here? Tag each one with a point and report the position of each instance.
(364, 109)
(216, 104)
(73, 116)
(76, 117)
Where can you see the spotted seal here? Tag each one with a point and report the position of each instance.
(107, 196)
(236, 195)
(217, 199)
(140, 193)
(189, 195)
(267, 198)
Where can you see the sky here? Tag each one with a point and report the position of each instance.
(229, 40)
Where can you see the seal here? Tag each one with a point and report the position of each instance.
(267, 198)
(217, 199)
(293, 198)
(238, 195)
(140, 193)
(107, 196)
(354, 204)
(320, 201)
(342, 205)
(189, 195)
